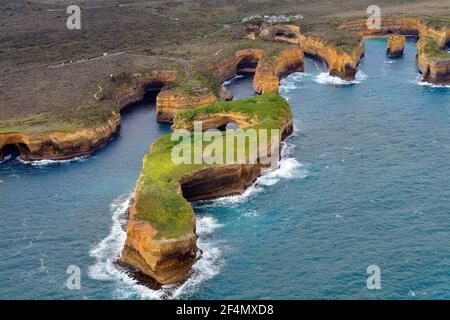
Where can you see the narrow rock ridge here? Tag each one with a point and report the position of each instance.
(395, 45)
(60, 145)
(344, 65)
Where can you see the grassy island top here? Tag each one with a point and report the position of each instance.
(429, 48)
(158, 195)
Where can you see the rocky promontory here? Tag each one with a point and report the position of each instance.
(161, 238)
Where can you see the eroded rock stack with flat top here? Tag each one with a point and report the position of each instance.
(395, 45)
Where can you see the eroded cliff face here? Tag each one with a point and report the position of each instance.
(269, 72)
(435, 68)
(170, 102)
(169, 260)
(166, 261)
(340, 64)
(227, 68)
(395, 45)
(134, 92)
(61, 145)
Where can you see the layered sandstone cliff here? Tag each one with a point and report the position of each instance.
(395, 45)
(135, 90)
(340, 64)
(170, 102)
(268, 71)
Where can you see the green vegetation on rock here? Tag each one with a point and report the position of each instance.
(429, 48)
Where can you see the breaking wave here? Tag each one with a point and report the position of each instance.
(326, 78)
(107, 252)
(421, 82)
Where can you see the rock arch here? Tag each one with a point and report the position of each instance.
(247, 61)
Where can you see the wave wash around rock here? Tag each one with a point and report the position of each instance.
(161, 238)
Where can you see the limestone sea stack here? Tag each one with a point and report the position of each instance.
(395, 45)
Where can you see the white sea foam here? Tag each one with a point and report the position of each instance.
(421, 82)
(108, 251)
(228, 82)
(290, 83)
(326, 78)
(52, 162)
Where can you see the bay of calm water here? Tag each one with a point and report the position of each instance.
(364, 181)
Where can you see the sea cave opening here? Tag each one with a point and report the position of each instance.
(152, 91)
(247, 66)
(229, 126)
(12, 151)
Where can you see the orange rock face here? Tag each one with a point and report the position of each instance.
(169, 260)
(342, 65)
(406, 26)
(129, 94)
(435, 69)
(165, 260)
